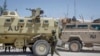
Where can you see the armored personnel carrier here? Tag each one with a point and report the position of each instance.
(77, 35)
(33, 32)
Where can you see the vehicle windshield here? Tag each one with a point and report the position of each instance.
(12, 13)
(70, 26)
(82, 26)
(96, 27)
(5, 13)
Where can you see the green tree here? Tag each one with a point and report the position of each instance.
(1, 10)
(96, 20)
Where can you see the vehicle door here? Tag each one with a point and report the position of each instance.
(95, 33)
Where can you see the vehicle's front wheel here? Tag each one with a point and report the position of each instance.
(41, 48)
(75, 46)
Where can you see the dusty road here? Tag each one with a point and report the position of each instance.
(62, 52)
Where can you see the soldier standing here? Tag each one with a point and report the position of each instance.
(53, 44)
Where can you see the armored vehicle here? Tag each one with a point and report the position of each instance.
(77, 35)
(22, 32)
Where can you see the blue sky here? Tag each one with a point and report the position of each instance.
(57, 8)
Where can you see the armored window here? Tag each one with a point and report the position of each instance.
(82, 26)
(96, 27)
(30, 21)
(21, 20)
(70, 26)
(56, 23)
(45, 21)
(37, 21)
(8, 20)
(12, 13)
(5, 13)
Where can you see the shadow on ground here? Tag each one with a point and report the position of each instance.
(31, 54)
(82, 51)
(16, 53)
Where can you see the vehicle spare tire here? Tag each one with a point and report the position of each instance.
(41, 48)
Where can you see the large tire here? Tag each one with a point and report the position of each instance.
(41, 48)
(75, 46)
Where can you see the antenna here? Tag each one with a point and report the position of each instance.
(5, 5)
(82, 18)
(92, 18)
(75, 8)
(65, 15)
(74, 17)
(67, 10)
(15, 9)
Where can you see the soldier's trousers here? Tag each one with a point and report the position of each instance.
(54, 50)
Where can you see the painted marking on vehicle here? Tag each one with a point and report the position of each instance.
(15, 28)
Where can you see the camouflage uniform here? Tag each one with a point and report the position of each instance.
(53, 45)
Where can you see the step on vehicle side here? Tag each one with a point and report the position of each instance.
(22, 32)
(78, 35)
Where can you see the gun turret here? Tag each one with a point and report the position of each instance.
(36, 13)
(33, 11)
